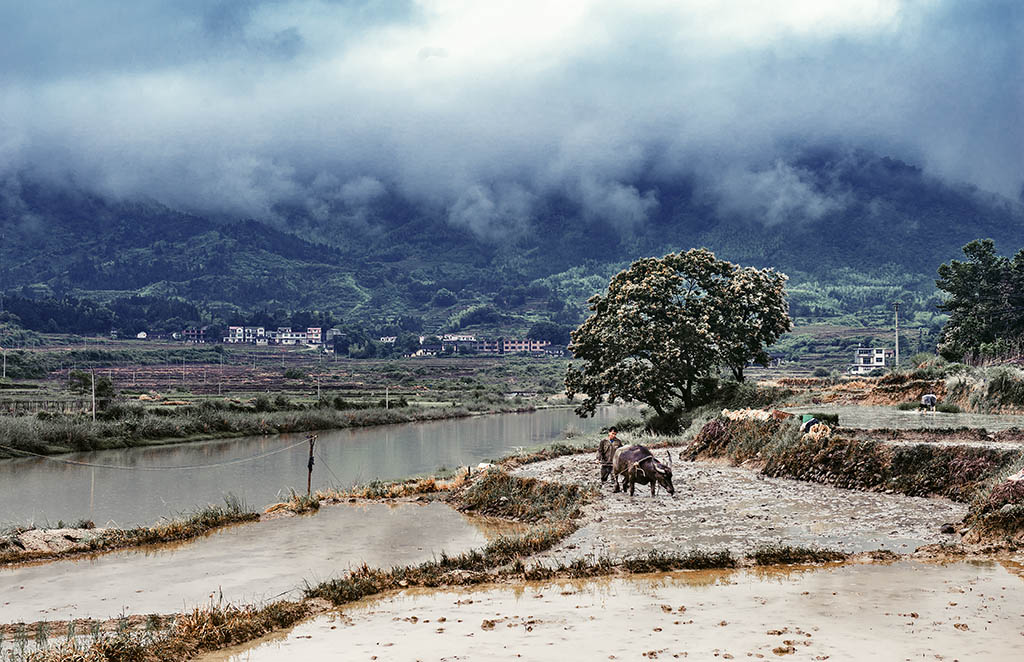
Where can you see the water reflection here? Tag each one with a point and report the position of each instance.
(41, 491)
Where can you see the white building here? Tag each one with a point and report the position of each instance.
(866, 359)
(246, 334)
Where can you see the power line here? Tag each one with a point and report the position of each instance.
(173, 468)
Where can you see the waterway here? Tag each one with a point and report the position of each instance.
(44, 491)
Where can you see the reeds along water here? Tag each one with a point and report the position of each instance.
(133, 424)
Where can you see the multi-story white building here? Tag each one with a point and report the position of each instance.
(285, 336)
(866, 359)
(246, 334)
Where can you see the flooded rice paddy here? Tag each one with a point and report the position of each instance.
(240, 564)
(718, 506)
(43, 491)
(903, 611)
(858, 416)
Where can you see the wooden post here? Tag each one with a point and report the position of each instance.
(309, 476)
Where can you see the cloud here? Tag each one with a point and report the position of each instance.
(780, 193)
(482, 109)
(492, 214)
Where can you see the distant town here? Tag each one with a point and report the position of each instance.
(323, 339)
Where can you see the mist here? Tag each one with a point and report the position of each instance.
(482, 111)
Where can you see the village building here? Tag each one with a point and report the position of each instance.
(246, 334)
(194, 334)
(866, 359)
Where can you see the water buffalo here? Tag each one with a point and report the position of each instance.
(636, 464)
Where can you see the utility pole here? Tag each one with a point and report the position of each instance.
(93, 373)
(319, 369)
(5, 363)
(387, 397)
(309, 476)
(896, 310)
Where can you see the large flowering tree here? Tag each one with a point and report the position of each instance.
(664, 324)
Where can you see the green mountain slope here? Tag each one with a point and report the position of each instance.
(882, 240)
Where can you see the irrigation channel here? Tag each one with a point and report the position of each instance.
(901, 611)
(41, 491)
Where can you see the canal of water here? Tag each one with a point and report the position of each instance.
(43, 491)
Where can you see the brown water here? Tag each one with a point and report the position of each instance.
(904, 611)
(857, 416)
(42, 491)
(242, 564)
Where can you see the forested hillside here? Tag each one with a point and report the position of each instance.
(879, 231)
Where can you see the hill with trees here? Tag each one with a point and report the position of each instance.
(856, 232)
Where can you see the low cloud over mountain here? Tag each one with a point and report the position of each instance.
(481, 112)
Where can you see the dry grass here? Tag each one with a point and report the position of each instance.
(191, 634)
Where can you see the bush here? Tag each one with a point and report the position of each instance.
(820, 372)
(671, 423)
(294, 373)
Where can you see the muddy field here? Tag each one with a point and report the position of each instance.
(718, 506)
(238, 564)
(902, 611)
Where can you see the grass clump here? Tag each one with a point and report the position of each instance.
(194, 525)
(297, 503)
(694, 560)
(524, 499)
(790, 554)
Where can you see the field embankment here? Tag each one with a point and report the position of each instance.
(969, 472)
(21, 545)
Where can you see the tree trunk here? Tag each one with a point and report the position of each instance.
(737, 372)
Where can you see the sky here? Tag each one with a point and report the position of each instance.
(481, 109)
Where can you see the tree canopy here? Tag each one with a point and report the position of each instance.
(985, 304)
(667, 323)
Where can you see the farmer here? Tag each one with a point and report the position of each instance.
(606, 451)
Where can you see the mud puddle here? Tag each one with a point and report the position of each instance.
(907, 610)
(239, 564)
(720, 506)
(873, 417)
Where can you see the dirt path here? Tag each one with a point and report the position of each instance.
(721, 506)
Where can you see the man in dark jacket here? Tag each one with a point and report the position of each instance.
(606, 451)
